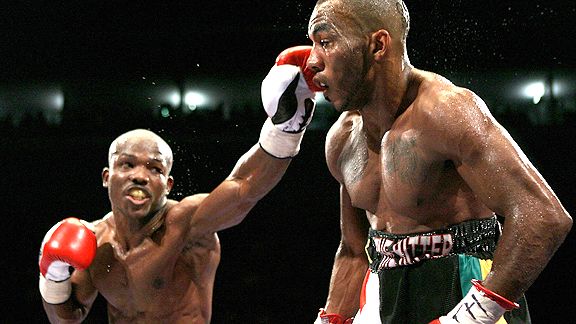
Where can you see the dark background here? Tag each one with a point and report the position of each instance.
(276, 264)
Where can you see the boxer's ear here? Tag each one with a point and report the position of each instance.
(380, 41)
(169, 184)
(105, 177)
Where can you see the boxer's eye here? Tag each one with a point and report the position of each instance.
(126, 165)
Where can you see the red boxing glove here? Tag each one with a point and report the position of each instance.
(298, 55)
(68, 243)
(324, 318)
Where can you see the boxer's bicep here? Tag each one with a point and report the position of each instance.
(485, 155)
(500, 174)
(504, 179)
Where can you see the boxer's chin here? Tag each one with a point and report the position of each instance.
(341, 106)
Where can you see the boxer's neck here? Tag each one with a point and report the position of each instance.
(130, 236)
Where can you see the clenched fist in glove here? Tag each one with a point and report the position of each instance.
(288, 98)
(67, 244)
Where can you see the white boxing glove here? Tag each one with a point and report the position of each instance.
(288, 98)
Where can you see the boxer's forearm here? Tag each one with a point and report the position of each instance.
(68, 312)
(346, 283)
(288, 99)
(525, 248)
(255, 174)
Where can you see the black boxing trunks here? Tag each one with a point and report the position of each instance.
(418, 277)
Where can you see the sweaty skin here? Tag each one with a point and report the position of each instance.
(413, 152)
(157, 258)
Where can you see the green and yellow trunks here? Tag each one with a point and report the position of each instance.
(423, 276)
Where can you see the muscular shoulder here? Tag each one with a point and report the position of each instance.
(449, 115)
(191, 203)
(182, 211)
(437, 96)
(102, 227)
(337, 137)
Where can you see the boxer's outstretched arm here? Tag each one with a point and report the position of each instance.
(254, 175)
(350, 262)
(288, 98)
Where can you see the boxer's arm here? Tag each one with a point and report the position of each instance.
(77, 307)
(288, 99)
(504, 179)
(350, 262)
(254, 175)
(536, 223)
(67, 297)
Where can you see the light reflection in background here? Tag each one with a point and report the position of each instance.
(502, 91)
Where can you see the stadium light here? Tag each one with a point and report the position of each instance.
(535, 90)
(175, 99)
(194, 99)
(56, 101)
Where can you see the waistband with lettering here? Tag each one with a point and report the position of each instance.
(474, 237)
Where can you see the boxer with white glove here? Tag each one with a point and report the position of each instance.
(288, 98)
(67, 244)
(479, 306)
(152, 241)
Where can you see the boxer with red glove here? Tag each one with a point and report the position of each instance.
(160, 255)
(288, 98)
(67, 244)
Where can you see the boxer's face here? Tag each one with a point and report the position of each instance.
(137, 178)
(338, 56)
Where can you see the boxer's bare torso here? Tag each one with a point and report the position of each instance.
(404, 180)
(155, 259)
(165, 277)
(414, 153)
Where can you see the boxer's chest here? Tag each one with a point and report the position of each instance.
(396, 179)
(139, 279)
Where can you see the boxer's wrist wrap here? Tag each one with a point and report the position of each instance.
(278, 143)
(503, 302)
(55, 292)
(479, 306)
(324, 318)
